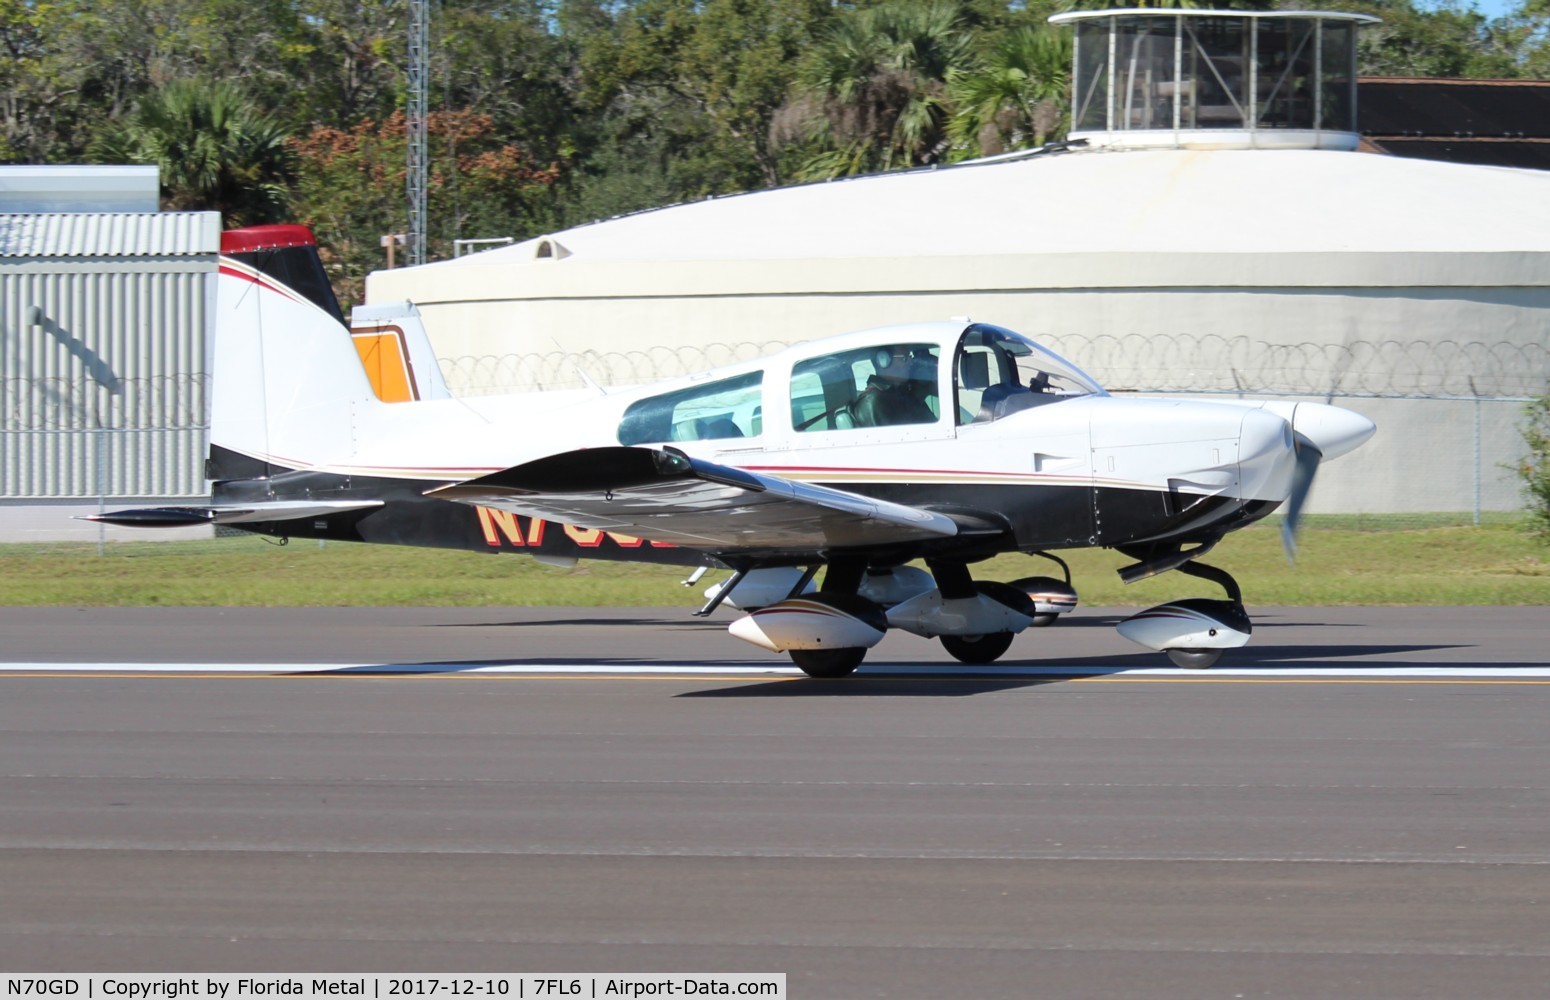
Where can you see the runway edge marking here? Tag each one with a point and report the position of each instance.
(739, 671)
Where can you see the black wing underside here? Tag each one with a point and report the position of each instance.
(663, 495)
(189, 515)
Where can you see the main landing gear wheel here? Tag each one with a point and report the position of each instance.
(977, 649)
(828, 662)
(1195, 659)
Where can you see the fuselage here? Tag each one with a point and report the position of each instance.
(983, 424)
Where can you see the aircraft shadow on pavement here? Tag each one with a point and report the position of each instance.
(875, 679)
(559, 663)
(684, 624)
(915, 678)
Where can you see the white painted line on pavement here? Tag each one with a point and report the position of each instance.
(780, 670)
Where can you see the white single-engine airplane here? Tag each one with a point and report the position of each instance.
(947, 442)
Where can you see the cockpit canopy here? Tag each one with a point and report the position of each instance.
(1000, 372)
(864, 382)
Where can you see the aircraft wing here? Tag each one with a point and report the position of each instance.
(663, 495)
(227, 513)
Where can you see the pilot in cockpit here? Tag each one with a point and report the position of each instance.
(896, 393)
(1007, 396)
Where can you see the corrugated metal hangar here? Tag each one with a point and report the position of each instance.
(104, 329)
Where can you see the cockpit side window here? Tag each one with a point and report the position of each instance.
(884, 386)
(998, 373)
(729, 408)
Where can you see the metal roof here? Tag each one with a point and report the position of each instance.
(1159, 12)
(141, 234)
(1504, 123)
(1394, 107)
(79, 187)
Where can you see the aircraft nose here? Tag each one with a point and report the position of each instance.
(1333, 430)
(1266, 456)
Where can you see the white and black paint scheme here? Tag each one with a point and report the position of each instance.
(941, 442)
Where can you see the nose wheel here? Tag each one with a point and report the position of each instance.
(1195, 659)
(826, 663)
(1196, 632)
(977, 649)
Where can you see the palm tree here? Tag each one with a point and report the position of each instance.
(1018, 95)
(214, 148)
(876, 87)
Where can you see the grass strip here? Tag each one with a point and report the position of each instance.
(1496, 563)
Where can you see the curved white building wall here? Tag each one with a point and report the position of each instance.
(1298, 271)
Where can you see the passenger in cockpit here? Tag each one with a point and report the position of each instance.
(896, 393)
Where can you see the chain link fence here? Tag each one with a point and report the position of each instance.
(1133, 362)
(1449, 413)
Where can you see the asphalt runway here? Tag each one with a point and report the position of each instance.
(1356, 805)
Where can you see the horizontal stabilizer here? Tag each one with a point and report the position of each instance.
(663, 495)
(227, 513)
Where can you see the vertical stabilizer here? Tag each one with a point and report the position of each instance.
(396, 353)
(289, 389)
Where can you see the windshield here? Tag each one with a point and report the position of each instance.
(999, 372)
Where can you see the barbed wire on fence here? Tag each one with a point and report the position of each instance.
(83, 403)
(1135, 362)
(476, 375)
(1138, 362)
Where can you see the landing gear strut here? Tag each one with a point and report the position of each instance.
(1194, 632)
(975, 619)
(838, 596)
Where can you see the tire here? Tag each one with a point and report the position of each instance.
(1195, 659)
(828, 663)
(977, 649)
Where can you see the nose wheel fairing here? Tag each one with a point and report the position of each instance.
(1196, 631)
(1190, 626)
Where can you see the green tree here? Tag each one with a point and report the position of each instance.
(214, 148)
(1534, 468)
(1448, 39)
(873, 95)
(1017, 95)
(32, 100)
(351, 189)
(354, 65)
(683, 94)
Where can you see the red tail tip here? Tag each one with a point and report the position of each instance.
(266, 238)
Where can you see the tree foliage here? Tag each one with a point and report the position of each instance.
(352, 187)
(554, 112)
(1534, 469)
(873, 94)
(215, 151)
(1016, 94)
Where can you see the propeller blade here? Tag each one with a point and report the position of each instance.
(1308, 458)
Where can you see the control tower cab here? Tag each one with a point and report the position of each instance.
(1212, 79)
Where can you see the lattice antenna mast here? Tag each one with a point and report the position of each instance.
(419, 160)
